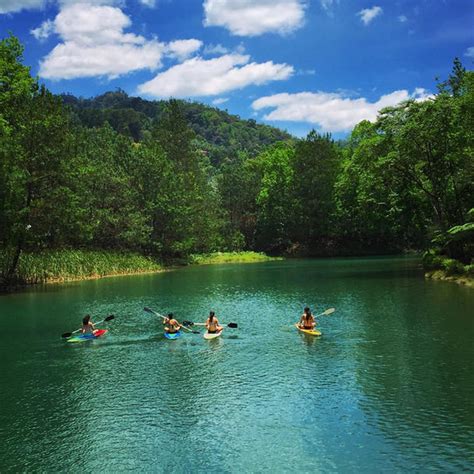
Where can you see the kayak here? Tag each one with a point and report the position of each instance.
(310, 332)
(212, 335)
(174, 335)
(87, 337)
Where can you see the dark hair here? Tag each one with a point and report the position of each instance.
(86, 319)
(170, 315)
(211, 315)
(306, 309)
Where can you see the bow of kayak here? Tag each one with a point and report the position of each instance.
(309, 332)
(174, 335)
(87, 337)
(212, 335)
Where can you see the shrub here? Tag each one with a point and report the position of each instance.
(453, 267)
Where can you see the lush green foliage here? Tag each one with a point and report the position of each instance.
(174, 179)
(230, 257)
(460, 236)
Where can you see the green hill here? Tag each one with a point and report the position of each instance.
(219, 133)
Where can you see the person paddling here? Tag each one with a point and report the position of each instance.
(171, 325)
(307, 320)
(87, 325)
(212, 324)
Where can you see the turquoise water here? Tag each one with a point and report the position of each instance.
(388, 387)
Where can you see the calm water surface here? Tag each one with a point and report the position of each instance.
(389, 387)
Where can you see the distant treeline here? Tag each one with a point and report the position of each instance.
(170, 179)
(216, 133)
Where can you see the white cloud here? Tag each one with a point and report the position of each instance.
(12, 6)
(215, 49)
(148, 3)
(469, 52)
(69, 60)
(252, 18)
(421, 94)
(183, 49)
(44, 30)
(402, 19)
(219, 50)
(332, 112)
(220, 100)
(89, 25)
(94, 44)
(367, 15)
(199, 77)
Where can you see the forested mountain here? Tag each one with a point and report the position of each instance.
(218, 133)
(194, 179)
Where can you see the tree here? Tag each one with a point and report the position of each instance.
(316, 164)
(189, 221)
(33, 174)
(275, 203)
(239, 183)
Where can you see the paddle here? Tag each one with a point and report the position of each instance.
(326, 313)
(69, 334)
(149, 310)
(229, 325)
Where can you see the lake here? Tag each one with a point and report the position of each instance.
(388, 387)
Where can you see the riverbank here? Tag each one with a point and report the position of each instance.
(74, 265)
(439, 267)
(442, 275)
(231, 257)
(61, 266)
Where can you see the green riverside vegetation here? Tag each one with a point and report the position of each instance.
(231, 257)
(66, 265)
(441, 267)
(132, 182)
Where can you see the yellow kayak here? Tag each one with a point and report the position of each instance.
(310, 332)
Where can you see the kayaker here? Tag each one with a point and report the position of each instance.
(171, 325)
(307, 320)
(212, 323)
(87, 325)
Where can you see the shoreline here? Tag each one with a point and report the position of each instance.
(62, 280)
(61, 266)
(59, 280)
(71, 266)
(440, 275)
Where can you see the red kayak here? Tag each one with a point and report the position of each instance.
(88, 337)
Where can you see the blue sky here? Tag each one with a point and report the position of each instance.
(295, 64)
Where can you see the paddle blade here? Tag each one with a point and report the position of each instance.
(148, 310)
(66, 334)
(109, 318)
(232, 325)
(196, 332)
(188, 323)
(329, 311)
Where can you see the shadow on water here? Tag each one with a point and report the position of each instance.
(308, 340)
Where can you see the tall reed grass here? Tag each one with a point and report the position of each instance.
(64, 265)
